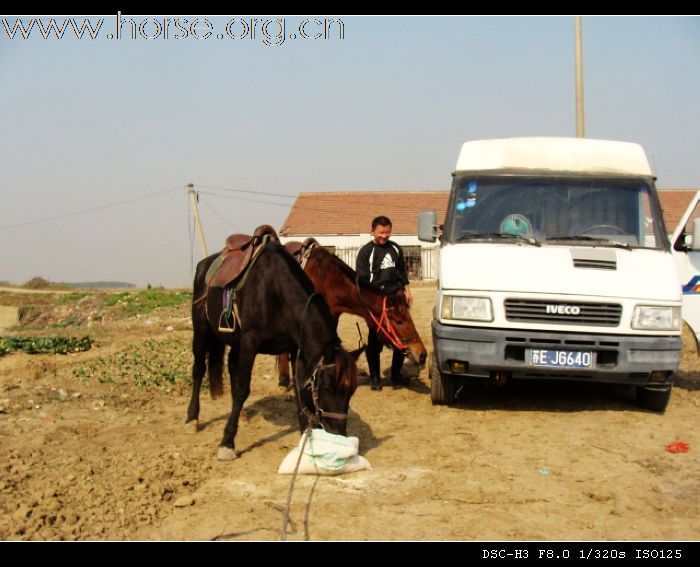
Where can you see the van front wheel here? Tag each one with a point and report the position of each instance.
(442, 388)
(654, 399)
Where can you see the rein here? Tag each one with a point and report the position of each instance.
(384, 324)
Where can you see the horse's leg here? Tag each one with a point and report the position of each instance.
(240, 366)
(200, 343)
(283, 366)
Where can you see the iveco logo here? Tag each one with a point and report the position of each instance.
(563, 310)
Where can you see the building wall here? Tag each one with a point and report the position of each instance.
(348, 245)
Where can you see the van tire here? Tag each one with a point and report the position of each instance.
(442, 388)
(653, 399)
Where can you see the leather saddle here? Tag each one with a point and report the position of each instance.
(238, 254)
(300, 250)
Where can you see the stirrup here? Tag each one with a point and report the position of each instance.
(226, 329)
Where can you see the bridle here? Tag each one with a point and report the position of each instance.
(312, 381)
(319, 413)
(384, 324)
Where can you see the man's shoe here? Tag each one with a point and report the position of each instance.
(375, 383)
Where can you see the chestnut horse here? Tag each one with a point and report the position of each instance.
(338, 285)
(276, 311)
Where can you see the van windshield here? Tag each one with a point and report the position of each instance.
(571, 211)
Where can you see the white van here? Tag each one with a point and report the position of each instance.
(554, 263)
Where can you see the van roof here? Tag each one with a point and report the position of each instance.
(567, 155)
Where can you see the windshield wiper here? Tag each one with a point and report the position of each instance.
(597, 239)
(489, 235)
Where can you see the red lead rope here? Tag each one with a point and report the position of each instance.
(386, 328)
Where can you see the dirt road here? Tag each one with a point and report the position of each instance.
(89, 449)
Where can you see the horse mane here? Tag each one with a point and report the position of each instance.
(306, 283)
(329, 265)
(294, 266)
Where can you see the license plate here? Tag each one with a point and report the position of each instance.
(561, 358)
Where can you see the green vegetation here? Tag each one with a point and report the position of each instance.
(40, 311)
(151, 363)
(36, 345)
(69, 298)
(145, 301)
(99, 285)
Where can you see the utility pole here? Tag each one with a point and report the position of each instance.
(197, 220)
(579, 78)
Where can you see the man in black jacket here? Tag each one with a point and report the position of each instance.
(381, 264)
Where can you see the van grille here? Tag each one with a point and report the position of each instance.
(595, 264)
(564, 313)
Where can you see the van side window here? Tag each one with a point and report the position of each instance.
(683, 241)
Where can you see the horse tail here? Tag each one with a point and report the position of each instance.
(214, 347)
(215, 367)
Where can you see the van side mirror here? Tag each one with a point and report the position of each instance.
(695, 243)
(427, 226)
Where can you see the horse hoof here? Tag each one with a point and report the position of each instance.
(284, 382)
(226, 454)
(192, 426)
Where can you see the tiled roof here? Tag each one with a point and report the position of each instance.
(674, 202)
(352, 212)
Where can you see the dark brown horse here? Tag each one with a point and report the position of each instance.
(338, 285)
(276, 311)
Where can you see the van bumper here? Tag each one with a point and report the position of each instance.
(639, 361)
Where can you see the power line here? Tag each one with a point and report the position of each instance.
(298, 207)
(247, 191)
(327, 196)
(90, 210)
(234, 227)
(287, 205)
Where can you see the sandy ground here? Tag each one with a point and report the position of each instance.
(104, 456)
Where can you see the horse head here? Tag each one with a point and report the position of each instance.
(331, 386)
(398, 313)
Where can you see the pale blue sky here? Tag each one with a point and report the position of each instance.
(89, 123)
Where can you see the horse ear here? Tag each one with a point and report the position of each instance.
(357, 352)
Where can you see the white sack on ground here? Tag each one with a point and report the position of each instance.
(325, 454)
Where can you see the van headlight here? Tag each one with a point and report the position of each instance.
(466, 308)
(656, 318)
